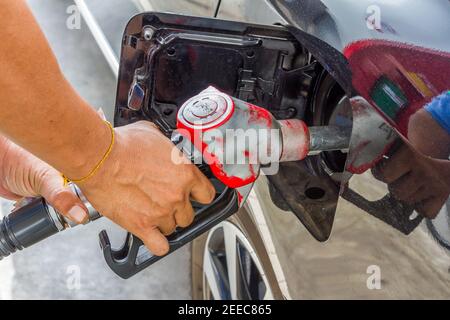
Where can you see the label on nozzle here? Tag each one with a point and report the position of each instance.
(211, 108)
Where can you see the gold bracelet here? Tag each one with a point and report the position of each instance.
(94, 171)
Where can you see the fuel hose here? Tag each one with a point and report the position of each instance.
(34, 222)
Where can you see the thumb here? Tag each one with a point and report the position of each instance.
(62, 198)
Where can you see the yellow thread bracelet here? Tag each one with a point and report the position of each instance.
(94, 171)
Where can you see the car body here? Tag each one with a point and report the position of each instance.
(357, 256)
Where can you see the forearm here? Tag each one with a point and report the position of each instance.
(39, 109)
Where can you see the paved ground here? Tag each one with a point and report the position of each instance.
(49, 270)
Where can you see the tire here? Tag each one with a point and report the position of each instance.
(243, 222)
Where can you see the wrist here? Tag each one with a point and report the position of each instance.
(84, 156)
(109, 165)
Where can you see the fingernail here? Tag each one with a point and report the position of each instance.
(77, 214)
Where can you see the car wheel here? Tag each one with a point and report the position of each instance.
(231, 262)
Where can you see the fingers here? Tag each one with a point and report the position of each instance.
(202, 191)
(431, 207)
(411, 190)
(405, 187)
(185, 215)
(155, 241)
(391, 169)
(68, 204)
(63, 199)
(167, 226)
(5, 193)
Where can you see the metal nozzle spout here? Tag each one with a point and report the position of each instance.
(299, 140)
(329, 138)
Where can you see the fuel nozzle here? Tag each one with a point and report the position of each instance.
(318, 139)
(236, 137)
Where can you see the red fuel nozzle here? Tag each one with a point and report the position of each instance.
(236, 137)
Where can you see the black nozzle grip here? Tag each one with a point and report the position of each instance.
(133, 256)
(26, 226)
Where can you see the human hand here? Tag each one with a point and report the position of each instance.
(418, 180)
(420, 174)
(142, 189)
(24, 175)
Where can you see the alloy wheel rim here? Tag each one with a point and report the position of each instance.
(231, 268)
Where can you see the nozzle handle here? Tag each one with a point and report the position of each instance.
(132, 257)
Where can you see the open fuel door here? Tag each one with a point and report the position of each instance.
(168, 58)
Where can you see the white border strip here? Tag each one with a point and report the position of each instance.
(99, 36)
